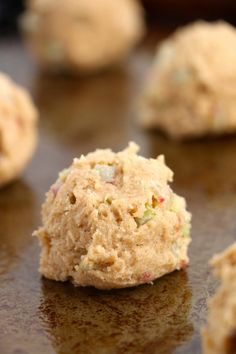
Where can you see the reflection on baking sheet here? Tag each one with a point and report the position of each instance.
(146, 319)
(17, 217)
(74, 110)
(207, 165)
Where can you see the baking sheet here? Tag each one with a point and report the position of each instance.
(78, 115)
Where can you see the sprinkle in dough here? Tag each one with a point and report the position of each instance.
(112, 221)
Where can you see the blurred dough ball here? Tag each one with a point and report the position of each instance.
(219, 335)
(82, 35)
(17, 129)
(191, 88)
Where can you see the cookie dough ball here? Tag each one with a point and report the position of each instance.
(112, 221)
(83, 35)
(191, 89)
(17, 129)
(219, 337)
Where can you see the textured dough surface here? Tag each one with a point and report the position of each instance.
(219, 337)
(17, 129)
(112, 221)
(82, 35)
(191, 88)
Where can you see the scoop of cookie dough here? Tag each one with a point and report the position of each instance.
(191, 88)
(219, 337)
(82, 35)
(17, 129)
(112, 221)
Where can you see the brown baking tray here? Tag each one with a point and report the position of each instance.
(78, 115)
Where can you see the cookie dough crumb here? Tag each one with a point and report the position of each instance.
(219, 336)
(111, 220)
(83, 35)
(191, 87)
(18, 118)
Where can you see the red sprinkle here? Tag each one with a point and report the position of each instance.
(183, 264)
(161, 199)
(146, 276)
(55, 188)
(19, 121)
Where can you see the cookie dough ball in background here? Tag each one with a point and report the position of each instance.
(84, 35)
(219, 337)
(112, 221)
(191, 88)
(17, 129)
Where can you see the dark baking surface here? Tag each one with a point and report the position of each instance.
(78, 115)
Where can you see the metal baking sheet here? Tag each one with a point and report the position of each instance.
(78, 115)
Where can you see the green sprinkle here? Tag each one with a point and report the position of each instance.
(186, 230)
(181, 75)
(147, 216)
(83, 267)
(176, 204)
(55, 51)
(218, 121)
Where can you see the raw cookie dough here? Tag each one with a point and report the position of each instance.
(112, 221)
(219, 337)
(82, 35)
(17, 129)
(191, 88)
